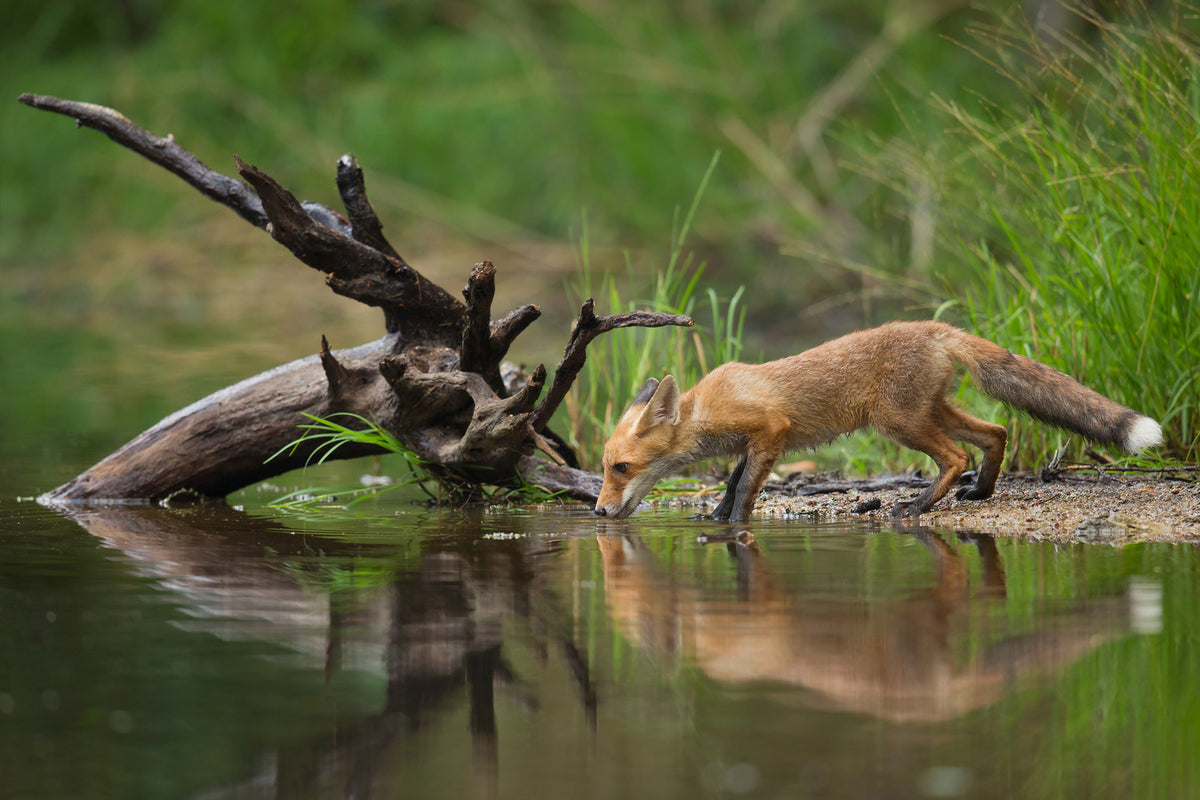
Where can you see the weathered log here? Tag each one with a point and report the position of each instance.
(221, 443)
(433, 381)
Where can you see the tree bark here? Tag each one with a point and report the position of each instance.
(433, 380)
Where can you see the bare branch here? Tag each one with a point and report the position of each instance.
(485, 343)
(587, 327)
(411, 303)
(364, 223)
(167, 153)
(475, 353)
(505, 330)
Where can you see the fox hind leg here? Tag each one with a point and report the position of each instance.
(933, 441)
(991, 439)
(946, 425)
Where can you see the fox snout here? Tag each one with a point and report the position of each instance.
(620, 495)
(611, 510)
(621, 512)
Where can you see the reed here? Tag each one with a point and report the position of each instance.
(620, 363)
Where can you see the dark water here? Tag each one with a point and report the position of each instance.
(220, 653)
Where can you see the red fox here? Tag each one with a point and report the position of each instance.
(892, 378)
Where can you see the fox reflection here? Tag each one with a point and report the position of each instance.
(901, 660)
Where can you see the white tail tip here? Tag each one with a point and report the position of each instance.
(1142, 434)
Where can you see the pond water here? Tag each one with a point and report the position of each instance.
(401, 652)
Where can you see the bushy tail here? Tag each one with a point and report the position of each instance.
(1053, 397)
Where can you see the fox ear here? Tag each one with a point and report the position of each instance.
(645, 393)
(663, 406)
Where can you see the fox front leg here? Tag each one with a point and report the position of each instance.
(756, 467)
(724, 509)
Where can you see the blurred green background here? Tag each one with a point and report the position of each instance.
(878, 158)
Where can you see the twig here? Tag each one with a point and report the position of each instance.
(335, 373)
(509, 327)
(167, 153)
(1047, 472)
(1186, 469)
(587, 327)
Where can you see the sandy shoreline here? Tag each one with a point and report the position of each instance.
(1109, 508)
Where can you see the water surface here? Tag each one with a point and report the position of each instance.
(216, 653)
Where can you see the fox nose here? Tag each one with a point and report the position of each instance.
(600, 512)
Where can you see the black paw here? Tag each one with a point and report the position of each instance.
(972, 492)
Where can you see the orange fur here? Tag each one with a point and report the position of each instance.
(893, 378)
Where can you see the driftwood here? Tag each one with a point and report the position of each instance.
(433, 380)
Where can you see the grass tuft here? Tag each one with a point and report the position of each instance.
(326, 435)
(1090, 263)
(1065, 220)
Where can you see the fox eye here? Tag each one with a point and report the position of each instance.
(620, 467)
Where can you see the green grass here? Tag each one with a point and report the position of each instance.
(326, 435)
(1086, 249)
(497, 120)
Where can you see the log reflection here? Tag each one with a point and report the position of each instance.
(432, 627)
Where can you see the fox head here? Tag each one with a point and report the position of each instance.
(640, 450)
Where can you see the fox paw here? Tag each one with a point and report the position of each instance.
(972, 492)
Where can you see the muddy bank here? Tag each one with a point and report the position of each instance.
(1086, 507)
